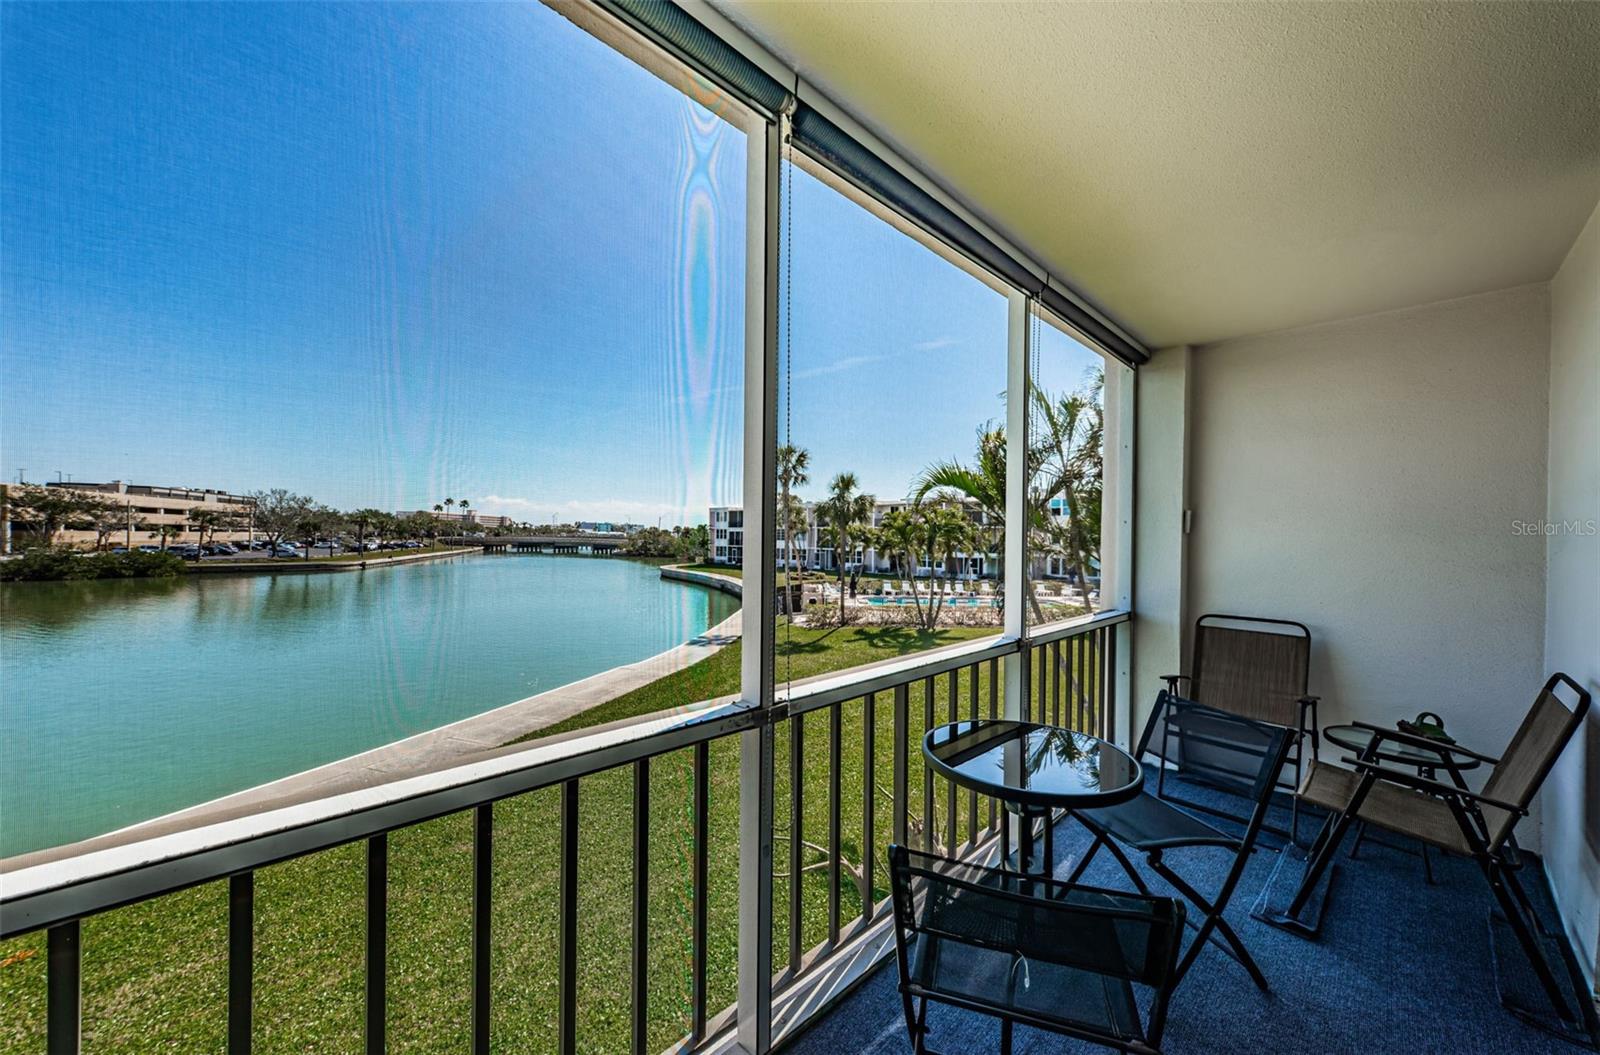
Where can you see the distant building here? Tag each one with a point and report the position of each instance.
(150, 507)
(606, 527)
(472, 516)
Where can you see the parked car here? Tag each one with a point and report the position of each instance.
(286, 549)
(149, 549)
(119, 549)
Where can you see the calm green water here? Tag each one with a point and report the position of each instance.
(121, 701)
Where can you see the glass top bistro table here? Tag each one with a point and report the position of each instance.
(1033, 769)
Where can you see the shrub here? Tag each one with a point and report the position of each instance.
(41, 563)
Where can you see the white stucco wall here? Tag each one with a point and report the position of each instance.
(1362, 477)
(1572, 602)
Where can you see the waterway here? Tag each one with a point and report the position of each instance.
(124, 700)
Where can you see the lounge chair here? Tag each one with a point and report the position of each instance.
(1452, 817)
(1258, 669)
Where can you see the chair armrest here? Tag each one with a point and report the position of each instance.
(1437, 787)
(1423, 742)
(1173, 679)
(1304, 700)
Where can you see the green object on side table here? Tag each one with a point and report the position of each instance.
(1426, 724)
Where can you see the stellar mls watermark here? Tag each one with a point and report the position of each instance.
(1548, 528)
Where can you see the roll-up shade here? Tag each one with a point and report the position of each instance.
(672, 27)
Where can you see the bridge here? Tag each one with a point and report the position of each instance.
(596, 545)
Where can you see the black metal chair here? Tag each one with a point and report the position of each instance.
(1032, 950)
(1450, 816)
(1259, 669)
(1220, 748)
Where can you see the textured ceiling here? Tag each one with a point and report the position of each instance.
(1206, 170)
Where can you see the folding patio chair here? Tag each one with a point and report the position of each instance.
(1222, 749)
(1032, 950)
(1259, 669)
(1450, 816)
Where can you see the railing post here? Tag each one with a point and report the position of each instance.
(482, 924)
(241, 961)
(702, 894)
(567, 952)
(640, 983)
(377, 943)
(65, 995)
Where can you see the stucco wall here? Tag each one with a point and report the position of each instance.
(1572, 602)
(1362, 477)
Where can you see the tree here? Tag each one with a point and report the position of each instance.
(316, 521)
(984, 482)
(438, 507)
(900, 535)
(1072, 432)
(463, 504)
(48, 510)
(208, 520)
(844, 511)
(105, 518)
(946, 530)
(791, 511)
(278, 514)
(793, 463)
(364, 520)
(164, 532)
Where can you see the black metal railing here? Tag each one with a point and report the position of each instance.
(1067, 674)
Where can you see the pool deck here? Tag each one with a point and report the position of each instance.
(435, 749)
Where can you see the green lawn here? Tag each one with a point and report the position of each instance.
(154, 974)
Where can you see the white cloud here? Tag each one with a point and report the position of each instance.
(936, 344)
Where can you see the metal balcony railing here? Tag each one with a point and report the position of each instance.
(1067, 677)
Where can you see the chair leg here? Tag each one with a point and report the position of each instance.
(1213, 922)
(1325, 853)
(1509, 874)
(1525, 938)
(912, 1029)
(1005, 1036)
(1088, 855)
(1127, 866)
(1355, 845)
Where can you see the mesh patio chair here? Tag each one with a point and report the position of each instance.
(1258, 669)
(1032, 950)
(1451, 817)
(1222, 749)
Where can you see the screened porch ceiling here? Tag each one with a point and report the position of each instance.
(1211, 170)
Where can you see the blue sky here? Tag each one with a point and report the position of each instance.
(385, 253)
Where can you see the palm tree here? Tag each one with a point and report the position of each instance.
(946, 530)
(792, 465)
(438, 507)
(1071, 440)
(900, 535)
(364, 519)
(844, 511)
(984, 482)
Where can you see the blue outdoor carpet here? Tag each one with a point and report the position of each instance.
(1399, 967)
